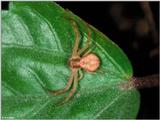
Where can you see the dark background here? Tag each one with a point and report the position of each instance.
(130, 31)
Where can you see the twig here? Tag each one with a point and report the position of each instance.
(149, 17)
(141, 82)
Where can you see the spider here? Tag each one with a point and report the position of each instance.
(87, 61)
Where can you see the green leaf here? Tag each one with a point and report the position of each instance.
(37, 42)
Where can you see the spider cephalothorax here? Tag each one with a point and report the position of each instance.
(74, 62)
(79, 59)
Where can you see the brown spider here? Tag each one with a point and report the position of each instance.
(88, 61)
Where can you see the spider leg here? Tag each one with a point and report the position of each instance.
(73, 90)
(75, 48)
(77, 36)
(88, 51)
(80, 74)
(87, 44)
(69, 83)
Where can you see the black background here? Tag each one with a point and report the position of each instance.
(98, 15)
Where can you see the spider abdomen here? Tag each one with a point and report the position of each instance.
(89, 62)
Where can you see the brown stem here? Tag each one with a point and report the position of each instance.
(149, 17)
(141, 82)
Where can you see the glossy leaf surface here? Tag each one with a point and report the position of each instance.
(37, 41)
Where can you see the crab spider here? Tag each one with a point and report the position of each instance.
(78, 60)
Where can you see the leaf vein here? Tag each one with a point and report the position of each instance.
(107, 106)
(11, 88)
(50, 27)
